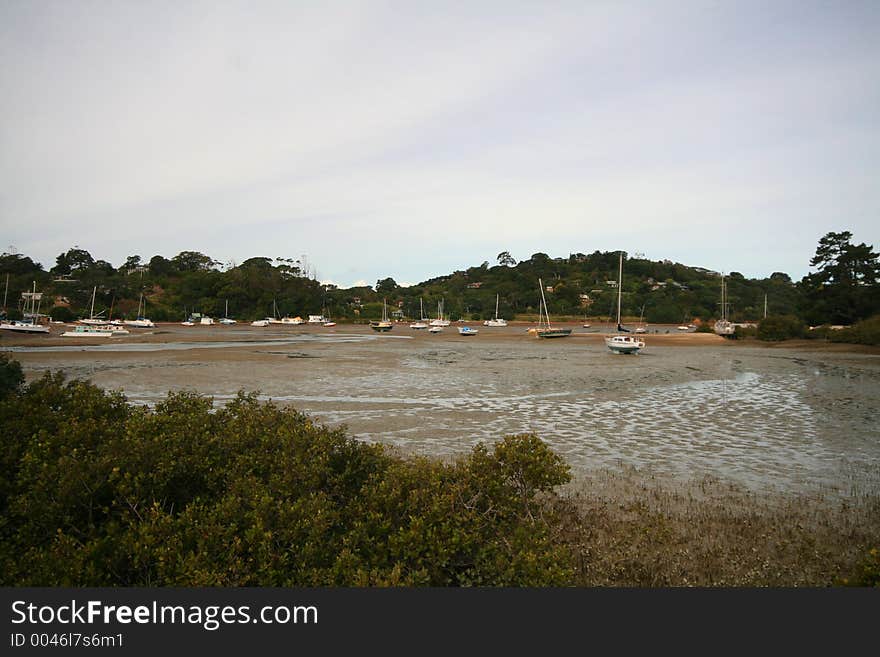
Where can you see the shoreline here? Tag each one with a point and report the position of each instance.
(661, 336)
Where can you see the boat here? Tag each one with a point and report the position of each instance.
(467, 330)
(440, 321)
(141, 321)
(94, 331)
(497, 321)
(206, 321)
(545, 329)
(622, 343)
(435, 329)
(724, 327)
(226, 319)
(30, 316)
(421, 324)
(274, 318)
(93, 320)
(295, 321)
(260, 322)
(383, 325)
(641, 328)
(316, 319)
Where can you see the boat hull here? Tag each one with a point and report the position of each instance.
(24, 327)
(624, 344)
(553, 333)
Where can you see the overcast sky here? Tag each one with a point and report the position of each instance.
(410, 139)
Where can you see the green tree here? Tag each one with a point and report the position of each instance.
(845, 287)
(386, 286)
(190, 261)
(505, 259)
(11, 376)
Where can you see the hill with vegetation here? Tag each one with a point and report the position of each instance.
(843, 290)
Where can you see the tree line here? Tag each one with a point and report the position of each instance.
(843, 289)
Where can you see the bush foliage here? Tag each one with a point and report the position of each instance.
(780, 327)
(96, 492)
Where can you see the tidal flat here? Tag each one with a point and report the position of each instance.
(771, 420)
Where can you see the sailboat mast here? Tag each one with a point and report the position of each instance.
(92, 310)
(544, 302)
(619, 287)
(5, 292)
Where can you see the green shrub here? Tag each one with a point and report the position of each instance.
(780, 327)
(865, 332)
(740, 332)
(11, 376)
(96, 492)
(61, 314)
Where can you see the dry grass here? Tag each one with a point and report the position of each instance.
(633, 530)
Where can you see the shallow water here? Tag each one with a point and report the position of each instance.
(766, 419)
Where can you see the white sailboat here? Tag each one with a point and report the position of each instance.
(724, 327)
(274, 318)
(92, 319)
(497, 321)
(622, 343)
(141, 321)
(545, 330)
(384, 325)
(421, 324)
(30, 315)
(226, 319)
(440, 321)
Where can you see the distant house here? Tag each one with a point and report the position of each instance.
(475, 286)
(611, 284)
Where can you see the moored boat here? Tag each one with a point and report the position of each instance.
(623, 343)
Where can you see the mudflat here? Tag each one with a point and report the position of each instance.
(792, 418)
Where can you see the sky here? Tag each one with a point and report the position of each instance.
(413, 139)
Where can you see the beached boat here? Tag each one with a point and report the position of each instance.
(94, 331)
(467, 330)
(30, 322)
(435, 329)
(260, 322)
(441, 320)
(545, 329)
(383, 325)
(141, 321)
(724, 327)
(421, 324)
(294, 321)
(226, 319)
(93, 319)
(623, 343)
(496, 321)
